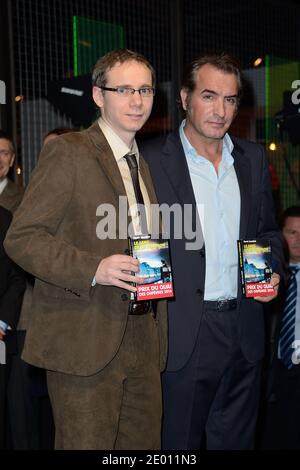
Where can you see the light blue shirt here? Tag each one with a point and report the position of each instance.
(219, 195)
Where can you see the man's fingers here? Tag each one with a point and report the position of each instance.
(124, 285)
(130, 266)
(125, 277)
(267, 298)
(275, 280)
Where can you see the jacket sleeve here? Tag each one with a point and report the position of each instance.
(32, 240)
(267, 225)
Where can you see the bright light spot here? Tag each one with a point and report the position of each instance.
(19, 98)
(257, 61)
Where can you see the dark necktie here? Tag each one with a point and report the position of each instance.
(134, 172)
(287, 329)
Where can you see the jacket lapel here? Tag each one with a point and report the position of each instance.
(243, 173)
(176, 168)
(146, 177)
(106, 159)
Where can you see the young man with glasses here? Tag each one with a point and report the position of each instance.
(10, 194)
(103, 352)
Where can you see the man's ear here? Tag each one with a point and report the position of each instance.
(98, 96)
(184, 98)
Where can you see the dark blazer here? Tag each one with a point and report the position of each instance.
(172, 182)
(73, 327)
(12, 280)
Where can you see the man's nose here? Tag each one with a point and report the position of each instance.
(220, 107)
(135, 98)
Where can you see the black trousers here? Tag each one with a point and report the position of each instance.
(216, 394)
(282, 419)
(5, 371)
(30, 413)
(4, 424)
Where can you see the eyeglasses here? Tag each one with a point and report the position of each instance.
(5, 153)
(145, 92)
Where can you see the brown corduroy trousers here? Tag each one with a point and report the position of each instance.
(120, 406)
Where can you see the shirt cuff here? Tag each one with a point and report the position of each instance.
(4, 326)
(94, 282)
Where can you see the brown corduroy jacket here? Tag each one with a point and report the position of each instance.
(74, 328)
(11, 196)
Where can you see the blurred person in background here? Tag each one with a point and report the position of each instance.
(10, 194)
(282, 428)
(12, 286)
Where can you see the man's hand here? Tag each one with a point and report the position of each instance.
(275, 280)
(116, 271)
(2, 334)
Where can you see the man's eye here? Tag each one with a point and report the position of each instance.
(207, 97)
(231, 100)
(145, 91)
(123, 91)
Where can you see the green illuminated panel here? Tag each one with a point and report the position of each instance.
(92, 39)
(280, 74)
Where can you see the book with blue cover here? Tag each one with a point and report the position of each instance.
(155, 267)
(255, 261)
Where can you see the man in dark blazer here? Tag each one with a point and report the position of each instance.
(103, 353)
(216, 337)
(282, 414)
(12, 286)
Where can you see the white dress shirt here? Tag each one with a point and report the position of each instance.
(219, 195)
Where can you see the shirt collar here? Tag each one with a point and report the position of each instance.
(118, 146)
(3, 185)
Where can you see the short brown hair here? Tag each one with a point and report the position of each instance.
(117, 56)
(292, 211)
(224, 62)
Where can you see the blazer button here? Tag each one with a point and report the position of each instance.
(199, 292)
(202, 252)
(125, 297)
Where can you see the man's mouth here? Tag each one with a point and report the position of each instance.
(216, 124)
(135, 116)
